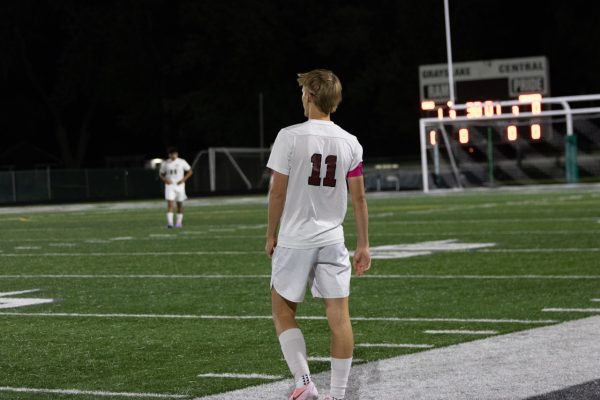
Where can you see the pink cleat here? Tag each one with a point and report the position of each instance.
(308, 392)
(179, 226)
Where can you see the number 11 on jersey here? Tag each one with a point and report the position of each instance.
(315, 178)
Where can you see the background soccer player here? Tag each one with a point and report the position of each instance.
(311, 163)
(174, 171)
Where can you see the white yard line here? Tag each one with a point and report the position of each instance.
(533, 362)
(484, 221)
(458, 332)
(574, 310)
(242, 276)
(101, 393)
(4, 294)
(596, 300)
(133, 254)
(547, 250)
(395, 345)
(268, 317)
(233, 252)
(119, 276)
(241, 376)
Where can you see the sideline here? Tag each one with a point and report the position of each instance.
(514, 366)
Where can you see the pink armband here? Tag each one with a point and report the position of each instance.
(358, 171)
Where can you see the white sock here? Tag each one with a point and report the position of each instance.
(170, 218)
(293, 347)
(179, 218)
(340, 370)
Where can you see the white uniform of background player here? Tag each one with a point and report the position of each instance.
(174, 172)
(314, 164)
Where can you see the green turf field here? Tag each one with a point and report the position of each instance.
(136, 304)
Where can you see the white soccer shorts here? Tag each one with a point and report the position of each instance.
(175, 192)
(326, 269)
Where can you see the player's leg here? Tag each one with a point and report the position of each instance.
(291, 269)
(332, 283)
(179, 222)
(293, 345)
(169, 213)
(342, 344)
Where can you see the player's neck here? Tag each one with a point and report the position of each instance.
(314, 113)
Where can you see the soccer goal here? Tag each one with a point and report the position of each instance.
(527, 141)
(231, 169)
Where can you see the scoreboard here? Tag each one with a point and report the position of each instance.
(498, 79)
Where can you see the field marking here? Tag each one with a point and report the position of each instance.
(4, 294)
(596, 300)
(542, 250)
(133, 254)
(459, 332)
(577, 310)
(541, 360)
(258, 276)
(92, 393)
(209, 235)
(406, 250)
(391, 254)
(241, 376)
(241, 252)
(14, 302)
(483, 221)
(269, 317)
(27, 247)
(395, 345)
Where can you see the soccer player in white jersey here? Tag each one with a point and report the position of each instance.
(314, 165)
(174, 171)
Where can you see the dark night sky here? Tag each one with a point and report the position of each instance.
(85, 80)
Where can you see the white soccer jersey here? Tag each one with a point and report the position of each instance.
(317, 157)
(174, 170)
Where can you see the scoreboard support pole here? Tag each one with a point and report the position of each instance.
(571, 168)
(490, 156)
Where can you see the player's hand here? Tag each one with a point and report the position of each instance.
(168, 182)
(270, 246)
(362, 260)
(180, 182)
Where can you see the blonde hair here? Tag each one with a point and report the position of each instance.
(325, 88)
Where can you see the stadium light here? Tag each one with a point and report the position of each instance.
(432, 137)
(463, 135)
(512, 132)
(536, 132)
(515, 110)
(427, 105)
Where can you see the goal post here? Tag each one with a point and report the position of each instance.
(526, 145)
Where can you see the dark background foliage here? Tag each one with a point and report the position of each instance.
(85, 81)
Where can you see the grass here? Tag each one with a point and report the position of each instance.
(535, 233)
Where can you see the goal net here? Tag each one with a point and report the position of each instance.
(550, 147)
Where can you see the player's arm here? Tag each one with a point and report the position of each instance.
(163, 177)
(187, 175)
(362, 255)
(277, 194)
